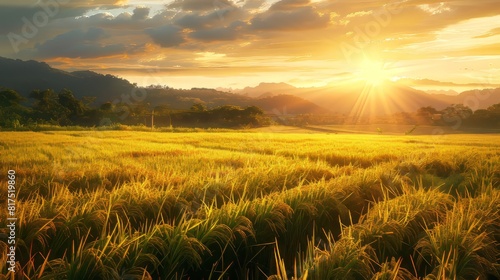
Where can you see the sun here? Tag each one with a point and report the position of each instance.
(373, 72)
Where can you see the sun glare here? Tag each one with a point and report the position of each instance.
(373, 72)
(376, 95)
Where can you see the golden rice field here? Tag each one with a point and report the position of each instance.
(251, 205)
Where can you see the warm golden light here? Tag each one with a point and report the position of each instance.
(373, 72)
(376, 94)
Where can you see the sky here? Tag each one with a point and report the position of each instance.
(238, 43)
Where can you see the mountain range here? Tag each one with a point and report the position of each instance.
(387, 97)
(26, 76)
(277, 98)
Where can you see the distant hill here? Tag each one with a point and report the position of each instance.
(475, 99)
(267, 90)
(344, 98)
(26, 76)
(387, 98)
(184, 99)
(289, 104)
(444, 92)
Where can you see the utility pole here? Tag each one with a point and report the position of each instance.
(152, 119)
(170, 119)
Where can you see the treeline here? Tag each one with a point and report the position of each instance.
(222, 116)
(459, 114)
(64, 109)
(456, 115)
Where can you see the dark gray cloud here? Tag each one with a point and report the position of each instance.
(196, 21)
(298, 19)
(27, 23)
(79, 44)
(232, 32)
(191, 24)
(14, 13)
(141, 13)
(201, 5)
(14, 18)
(167, 35)
(216, 18)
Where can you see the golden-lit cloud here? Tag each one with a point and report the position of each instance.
(277, 40)
(492, 32)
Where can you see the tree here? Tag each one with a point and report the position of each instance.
(494, 108)
(425, 115)
(198, 107)
(494, 111)
(162, 110)
(75, 108)
(427, 111)
(107, 107)
(480, 118)
(459, 110)
(254, 111)
(12, 113)
(228, 113)
(141, 109)
(9, 98)
(47, 107)
(455, 115)
(489, 117)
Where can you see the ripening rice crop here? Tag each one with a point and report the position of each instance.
(249, 205)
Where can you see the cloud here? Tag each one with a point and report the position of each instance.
(413, 16)
(232, 32)
(194, 21)
(288, 5)
(491, 33)
(79, 44)
(302, 18)
(197, 5)
(199, 21)
(429, 82)
(480, 50)
(218, 18)
(141, 13)
(253, 4)
(13, 18)
(439, 14)
(271, 32)
(167, 36)
(89, 3)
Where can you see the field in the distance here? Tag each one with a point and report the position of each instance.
(243, 205)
